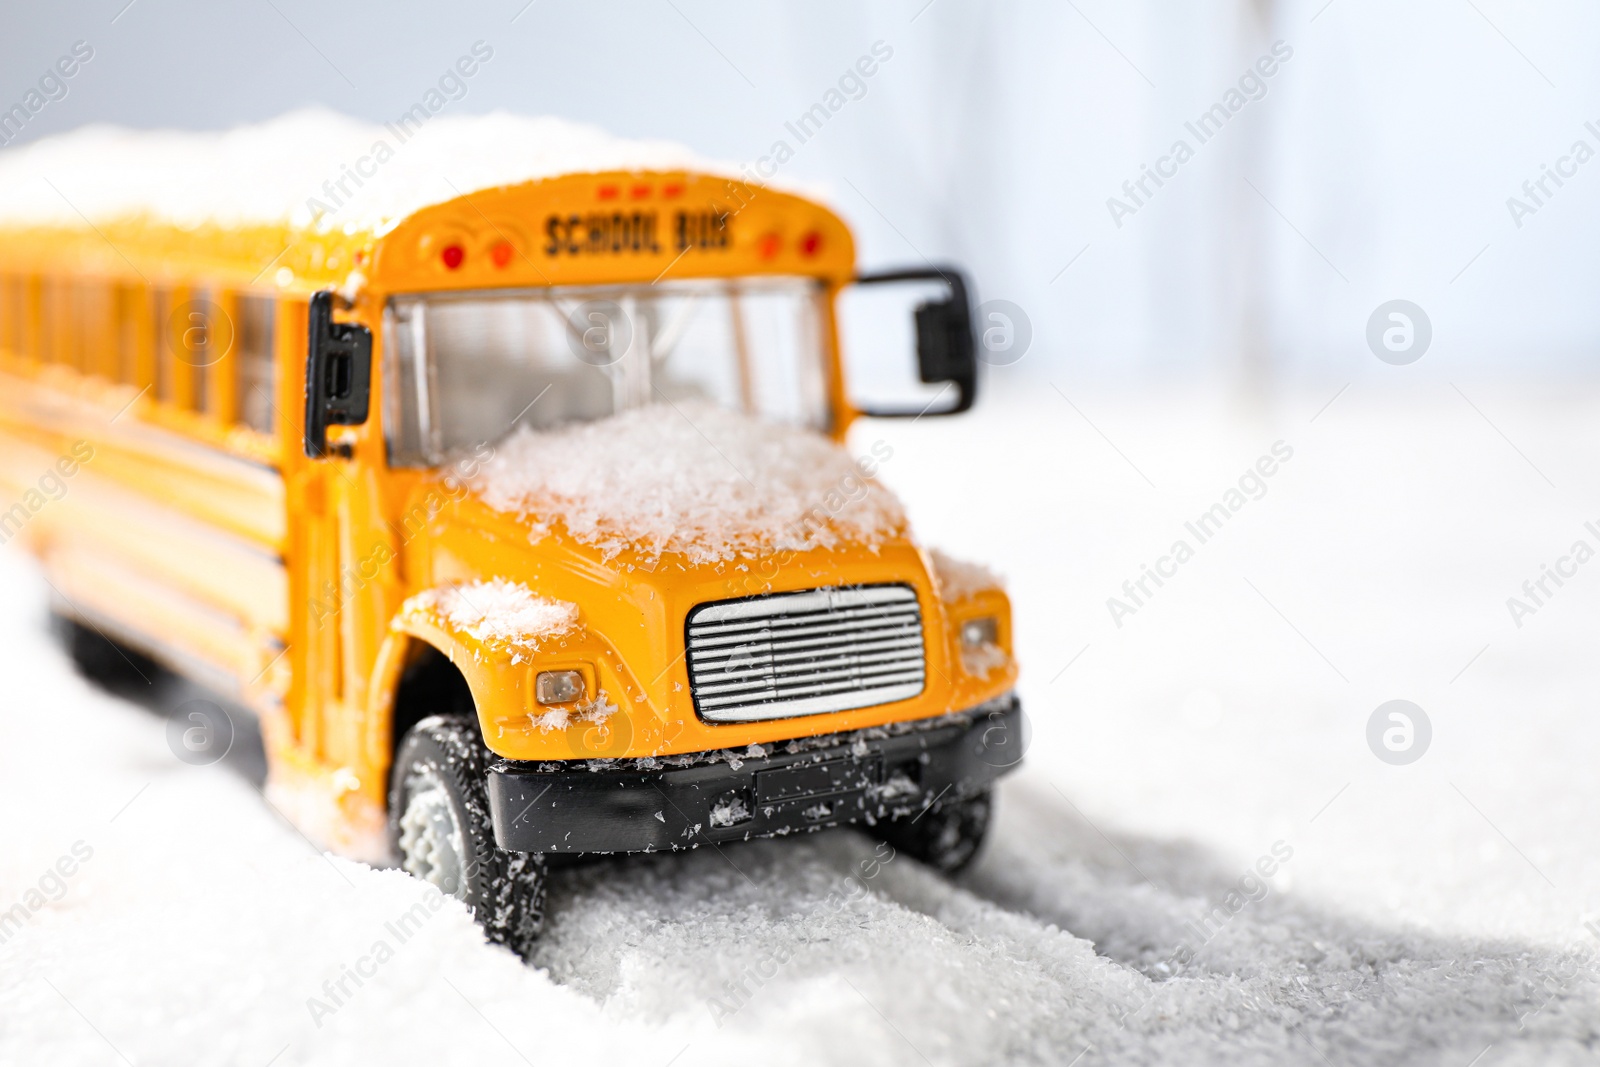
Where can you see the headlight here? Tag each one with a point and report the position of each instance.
(558, 687)
(981, 654)
(975, 633)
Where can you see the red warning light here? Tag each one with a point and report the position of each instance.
(768, 244)
(672, 191)
(501, 252)
(452, 255)
(608, 192)
(811, 244)
(639, 192)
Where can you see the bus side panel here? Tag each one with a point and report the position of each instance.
(174, 544)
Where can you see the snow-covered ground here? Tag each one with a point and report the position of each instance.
(1426, 913)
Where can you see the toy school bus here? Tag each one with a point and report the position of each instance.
(518, 513)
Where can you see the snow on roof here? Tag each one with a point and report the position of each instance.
(270, 173)
(690, 478)
(498, 612)
(958, 579)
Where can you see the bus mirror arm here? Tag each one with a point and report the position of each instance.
(946, 349)
(338, 374)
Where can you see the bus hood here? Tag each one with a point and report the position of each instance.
(692, 480)
(591, 548)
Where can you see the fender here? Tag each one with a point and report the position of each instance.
(609, 721)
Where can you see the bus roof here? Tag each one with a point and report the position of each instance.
(319, 188)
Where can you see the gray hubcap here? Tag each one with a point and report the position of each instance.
(432, 846)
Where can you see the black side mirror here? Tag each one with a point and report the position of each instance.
(338, 374)
(946, 349)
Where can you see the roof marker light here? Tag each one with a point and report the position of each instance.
(810, 244)
(768, 244)
(452, 256)
(607, 192)
(501, 252)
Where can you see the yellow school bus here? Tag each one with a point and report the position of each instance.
(520, 516)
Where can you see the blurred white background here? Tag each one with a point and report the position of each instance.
(1377, 164)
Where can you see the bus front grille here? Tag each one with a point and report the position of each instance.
(807, 653)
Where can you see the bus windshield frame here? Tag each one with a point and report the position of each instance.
(465, 368)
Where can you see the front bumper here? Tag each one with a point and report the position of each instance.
(676, 802)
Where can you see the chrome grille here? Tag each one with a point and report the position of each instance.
(805, 653)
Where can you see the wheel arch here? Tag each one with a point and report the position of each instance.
(414, 678)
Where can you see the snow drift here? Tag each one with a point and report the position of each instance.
(1406, 928)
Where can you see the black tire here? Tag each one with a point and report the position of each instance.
(102, 660)
(947, 836)
(437, 795)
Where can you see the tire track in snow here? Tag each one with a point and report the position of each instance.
(998, 966)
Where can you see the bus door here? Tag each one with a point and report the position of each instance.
(345, 552)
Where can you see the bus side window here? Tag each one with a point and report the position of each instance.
(131, 366)
(74, 324)
(48, 338)
(32, 345)
(253, 363)
(8, 314)
(194, 330)
(165, 375)
(212, 343)
(14, 295)
(89, 328)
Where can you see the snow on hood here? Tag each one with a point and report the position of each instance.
(268, 173)
(498, 612)
(690, 478)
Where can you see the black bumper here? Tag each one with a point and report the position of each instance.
(809, 784)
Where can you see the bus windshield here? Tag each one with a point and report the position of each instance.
(462, 369)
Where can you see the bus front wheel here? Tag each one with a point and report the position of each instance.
(440, 828)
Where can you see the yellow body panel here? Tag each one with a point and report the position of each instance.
(225, 551)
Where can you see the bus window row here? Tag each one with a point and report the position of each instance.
(210, 352)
